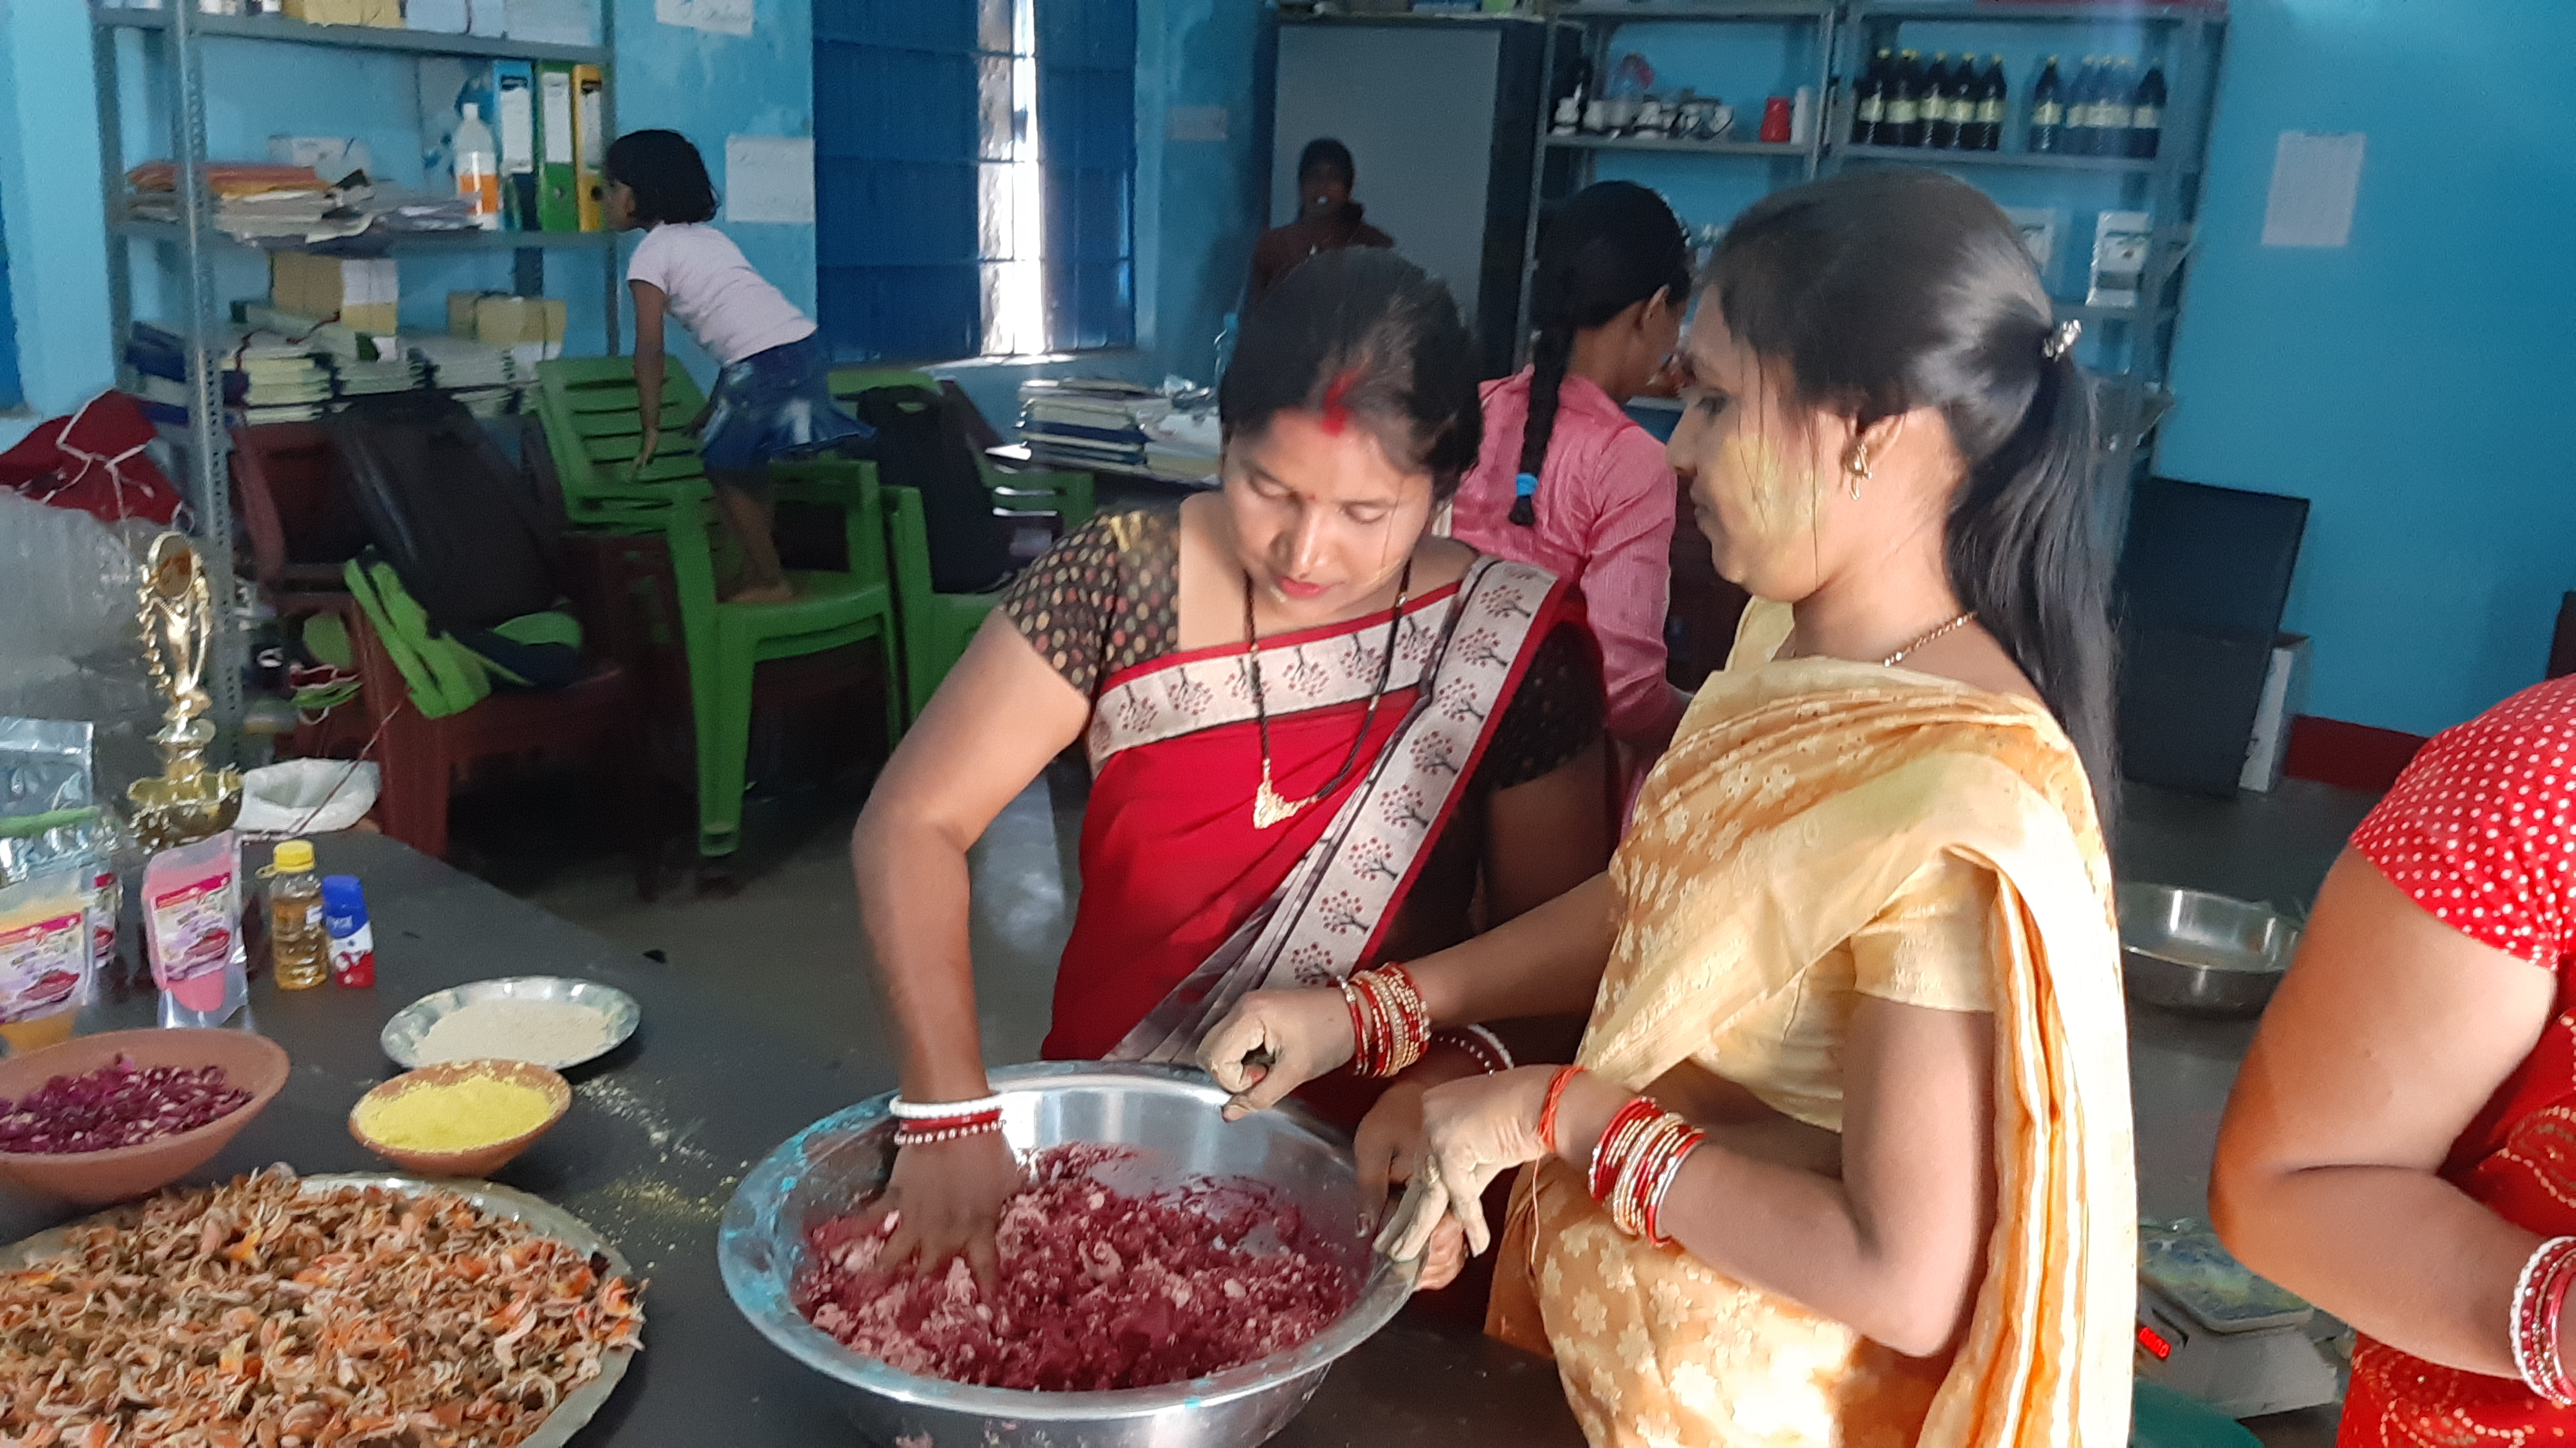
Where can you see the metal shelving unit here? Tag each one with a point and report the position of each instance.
(2190, 41)
(2188, 38)
(173, 38)
(1590, 29)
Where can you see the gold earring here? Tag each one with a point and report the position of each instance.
(1858, 467)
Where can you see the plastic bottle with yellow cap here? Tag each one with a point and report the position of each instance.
(298, 946)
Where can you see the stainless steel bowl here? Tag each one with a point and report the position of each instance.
(402, 1035)
(1169, 1115)
(2191, 950)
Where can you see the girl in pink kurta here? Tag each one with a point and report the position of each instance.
(1567, 480)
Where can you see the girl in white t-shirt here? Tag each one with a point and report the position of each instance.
(772, 397)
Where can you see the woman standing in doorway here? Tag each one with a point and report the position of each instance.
(1846, 1157)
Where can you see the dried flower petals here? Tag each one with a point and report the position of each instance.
(257, 1313)
(119, 1104)
(1099, 1289)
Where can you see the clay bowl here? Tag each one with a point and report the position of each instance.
(473, 1161)
(94, 1178)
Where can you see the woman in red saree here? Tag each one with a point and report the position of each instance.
(2398, 1148)
(1317, 734)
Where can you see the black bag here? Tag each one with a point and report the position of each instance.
(460, 525)
(922, 443)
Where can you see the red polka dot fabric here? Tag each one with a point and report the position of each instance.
(2477, 830)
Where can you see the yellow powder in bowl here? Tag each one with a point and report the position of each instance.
(476, 1111)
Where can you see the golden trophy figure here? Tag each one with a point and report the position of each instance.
(186, 801)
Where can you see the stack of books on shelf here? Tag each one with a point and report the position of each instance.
(486, 379)
(1086, 422)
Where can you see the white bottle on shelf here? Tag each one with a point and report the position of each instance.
(478, 168)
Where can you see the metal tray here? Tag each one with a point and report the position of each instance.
(579, 1405)
(402, 1035)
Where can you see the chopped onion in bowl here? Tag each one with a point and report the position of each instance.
(117, 1105)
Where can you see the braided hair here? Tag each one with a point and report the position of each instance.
(1612, 246)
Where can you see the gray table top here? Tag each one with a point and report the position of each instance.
(660, 1132)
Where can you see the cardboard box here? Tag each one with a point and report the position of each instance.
(532, 328)
(347, 12)
(362, 292)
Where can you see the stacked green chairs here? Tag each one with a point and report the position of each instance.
(593, 431)
(937, 627)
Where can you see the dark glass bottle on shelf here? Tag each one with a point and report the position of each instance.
(2147, 113)
(2047, 110)
(1941, 87)
(1869, 99)
(1904, 123)
(2111, 112)
(1966, 86)
(1994, 99)
(2078, 138)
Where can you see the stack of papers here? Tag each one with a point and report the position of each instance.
(253, 200)
(1085, 423)
(484, 378)
(1182, 445)
(286, 381)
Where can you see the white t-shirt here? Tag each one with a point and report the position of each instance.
(732, 310)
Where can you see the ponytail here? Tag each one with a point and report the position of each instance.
(1612, 246)
(2026, 553)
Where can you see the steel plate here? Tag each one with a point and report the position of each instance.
(402, 1035)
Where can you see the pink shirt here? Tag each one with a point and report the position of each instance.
(1605, 524)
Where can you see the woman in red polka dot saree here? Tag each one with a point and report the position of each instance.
(1320, 736)
(2401, 1146)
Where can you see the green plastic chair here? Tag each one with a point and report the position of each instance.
(1020, 493)
(937, 627)
(592, 431)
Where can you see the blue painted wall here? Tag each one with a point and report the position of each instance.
(49, 200)
(2415, 384)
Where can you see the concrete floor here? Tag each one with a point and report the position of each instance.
(788, 943)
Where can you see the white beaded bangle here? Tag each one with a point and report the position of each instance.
(905, 1136)
(942, 1110)
(1501, 1051)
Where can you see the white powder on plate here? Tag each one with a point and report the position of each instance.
(549, 1033)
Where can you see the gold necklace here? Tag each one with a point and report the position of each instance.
(1268, 808)
(1953, 626)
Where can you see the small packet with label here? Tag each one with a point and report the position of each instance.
(192, 918)
(45, 956)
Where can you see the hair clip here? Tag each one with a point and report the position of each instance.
(2062, 341)
(1336, 415)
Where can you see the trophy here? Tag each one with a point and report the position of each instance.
(186, 801)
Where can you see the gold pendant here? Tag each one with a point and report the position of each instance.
(1268, 808)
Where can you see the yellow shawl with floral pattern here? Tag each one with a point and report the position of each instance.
(1797, 800)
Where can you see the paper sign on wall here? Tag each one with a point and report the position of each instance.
(1195, 123)
(769, 178)
(2316, 178)
(724, 17)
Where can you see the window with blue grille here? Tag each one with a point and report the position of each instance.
(975, 166)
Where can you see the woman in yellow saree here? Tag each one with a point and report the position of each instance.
(1845, 1155)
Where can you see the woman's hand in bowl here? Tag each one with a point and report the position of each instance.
(947, 1198)
(1273, 1042)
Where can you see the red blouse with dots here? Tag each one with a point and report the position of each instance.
(2477, 831)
